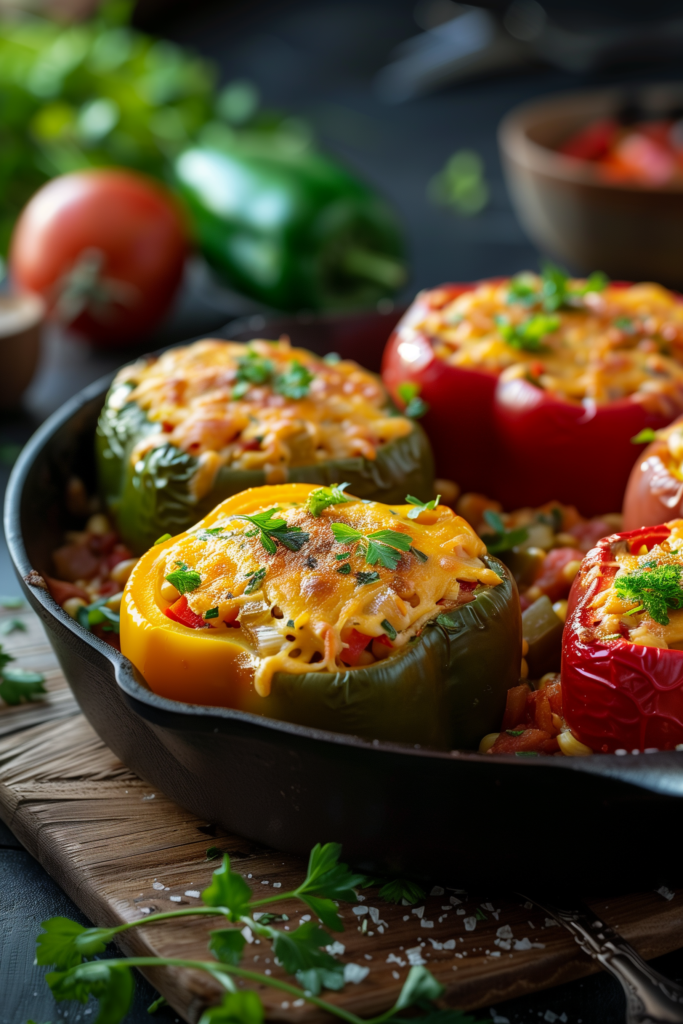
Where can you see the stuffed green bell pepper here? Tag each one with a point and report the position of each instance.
(309, 605)
(182, 432)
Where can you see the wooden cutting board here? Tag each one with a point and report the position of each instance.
(119, 848)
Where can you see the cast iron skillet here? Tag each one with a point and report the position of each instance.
(595, 821)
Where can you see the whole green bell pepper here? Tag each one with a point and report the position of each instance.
(154, 495)
(289, 226)
(446, 690)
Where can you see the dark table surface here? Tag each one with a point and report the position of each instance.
(316, 59)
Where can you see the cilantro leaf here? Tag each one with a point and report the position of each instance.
(162, 540)
(386, 547)
(421, 988)
(255, 581)
(111, 984)
(409, 393)
(401, 889)
(344, 570)
(327, 877)
(326, 496)
(326, 910)
(645, 436)
(20, 685)
(274, 530)
(295, 381)
(4, 657)
(527, 336)
(236, 1008)
(65, 943)
(554, 288)
(421, 506)
(501, 539)
(211, 613)
(522, 289)
(12, 626)
(657, 587)
(184, 579)
(227, 944)
(344, 534)
(300, 953)
(227, 889)
(366, 577)
(389, 629)
(251, 369)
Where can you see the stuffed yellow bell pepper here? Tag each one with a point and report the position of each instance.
(312, 606)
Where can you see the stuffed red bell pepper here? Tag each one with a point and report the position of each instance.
(542, 372)
(655, 486)
(622, 657)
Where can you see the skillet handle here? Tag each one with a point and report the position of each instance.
(650, 998)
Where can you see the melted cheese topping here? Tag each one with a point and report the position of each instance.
(609, 345)
(615, 614)
(259, 406)
(295, 610)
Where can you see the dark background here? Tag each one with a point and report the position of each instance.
(317, 59)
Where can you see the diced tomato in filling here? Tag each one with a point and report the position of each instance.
(528, 724)
(356, 644)
(182, 613)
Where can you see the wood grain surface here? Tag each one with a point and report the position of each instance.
(121, 849)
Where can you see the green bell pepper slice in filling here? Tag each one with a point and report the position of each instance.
(154, 496)
(445, 690)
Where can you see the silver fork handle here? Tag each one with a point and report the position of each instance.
(650, 998)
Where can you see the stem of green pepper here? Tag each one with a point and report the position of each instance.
(374, 267)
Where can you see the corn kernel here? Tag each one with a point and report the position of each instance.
(169, 592)
(524, 669)
(547, 679)
(113, 603)
(525, 648)
(98, 524)
(560, 609)
(488, 741)
(533, 593)
(122, 570)
(571, 747)
(72, 604)
(570, 570)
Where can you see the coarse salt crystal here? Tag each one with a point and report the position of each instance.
(415, 958)
(504, 932)
(396, 975)
(299, 1002)
(277, 885)
(360, 910)
(668, 894)
(194, 893)
(336, 949)
(461, 911)
(437, 891)
(550, 922)
(524, 943)
(393, 959)
(424, 923)
(355, 973)
(265, 883)
(435, 944)
(418, 910)
(454, 901)
(449, 944)
(488, 906)
(175, 899)
(247, 933)
(157, 885)
(145, 910)
(304, 918)
(470, 923)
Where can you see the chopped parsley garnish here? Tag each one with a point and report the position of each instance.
(409, 393)
(383, 546)
(556, 292)
(515, 732)
(275, 531)
(344, 554)
(162, 540)
(294, 382)
(419, 555)
(502, 539)
(344, 569)
(625, 324)
(656, 587)
(251, 369)
(255, 578)
(184, 579)
(527, 336)
(212, 613)
(645, 436)
(612, 636)
(290, 623)
(522, 289)
(388, 629)
(366, 577)
(324, 497)
(421, 506)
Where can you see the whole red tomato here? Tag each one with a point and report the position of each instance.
(105, 248)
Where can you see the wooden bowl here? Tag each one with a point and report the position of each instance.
(21, 323)
(629, 231)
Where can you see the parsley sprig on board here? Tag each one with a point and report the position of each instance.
(383, 546)
(656, 587)
(274, 531)
(71, 950)
(18, 684)
(325, 497)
